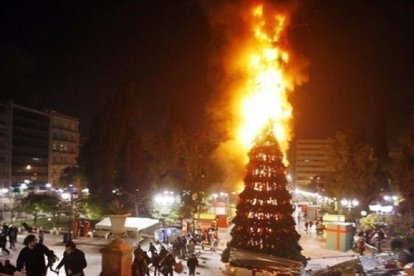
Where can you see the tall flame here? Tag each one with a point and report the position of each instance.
(264, 94)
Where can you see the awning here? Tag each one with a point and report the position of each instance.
(131, 223)
(205, 216)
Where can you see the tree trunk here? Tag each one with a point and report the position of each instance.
(35, 219)
(54, 219)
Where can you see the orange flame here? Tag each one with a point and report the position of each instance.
(264, 94)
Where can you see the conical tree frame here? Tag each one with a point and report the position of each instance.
(264, 221)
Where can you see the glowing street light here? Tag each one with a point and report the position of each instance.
(392, 199)
(164, 202)
(349, 203)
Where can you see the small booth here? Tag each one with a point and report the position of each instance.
(306, 211)
(205, 221)
(136, 227)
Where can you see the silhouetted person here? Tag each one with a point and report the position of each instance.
(152, 249)
(139, 265)
(73, 260)
(3, 243)
(163, 252)
(167, 265)
(155, 260)
(12, 233)
(192, 263)
(32, 257)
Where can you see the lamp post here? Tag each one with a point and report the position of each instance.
(164, 202)
(349, 204)
(71, 196)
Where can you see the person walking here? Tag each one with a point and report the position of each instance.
(12, 234)
(192, 263)
(32, 257)
(167, 265)
(139, 266)
(191, 247)
(73, 260)
(163, 252)
(152, 249)
(359, 241)
(155, 260)
(3, 243)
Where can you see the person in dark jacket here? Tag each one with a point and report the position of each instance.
(167, 265)
(12, 233)
(152, 249)
(155, 260)
(139, 266)
(32, 257)
(73, 260)
(192, 263)
(3, 243)
(163, 252)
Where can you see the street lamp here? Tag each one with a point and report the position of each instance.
(70, 196)
(349, 203)
(164, 202)
(393, 199)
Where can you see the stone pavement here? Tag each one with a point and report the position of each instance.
(210, 263)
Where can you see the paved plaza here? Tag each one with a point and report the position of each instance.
(210, 263)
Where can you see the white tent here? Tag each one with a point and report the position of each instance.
(131, 224)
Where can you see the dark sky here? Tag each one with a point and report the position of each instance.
(69, 55)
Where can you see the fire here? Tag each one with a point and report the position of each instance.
(264, 93)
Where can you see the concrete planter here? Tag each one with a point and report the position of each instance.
(118, 223)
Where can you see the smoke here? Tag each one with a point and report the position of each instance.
(231, 35)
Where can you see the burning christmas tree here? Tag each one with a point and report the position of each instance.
(264, 235)
(264, 222)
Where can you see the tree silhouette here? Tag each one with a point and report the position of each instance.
(111, 154)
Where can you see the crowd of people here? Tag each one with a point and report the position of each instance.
(8, 233)
(35, 258)
(318, 225)
(373, 240)
(31, 258)
(165, 259)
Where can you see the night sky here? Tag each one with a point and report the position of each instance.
(70, 55)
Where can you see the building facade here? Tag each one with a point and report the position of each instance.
(309, 162)
(30, 145)
(63, 145)
(35, 145)
(5, 144)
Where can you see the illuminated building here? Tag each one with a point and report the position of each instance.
(35, 145)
